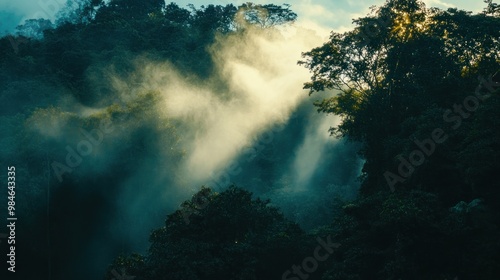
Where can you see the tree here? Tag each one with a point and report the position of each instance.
(492, 9)
(213, 18)
(394, 65)
(264, 16)
(176, 14)
(225, 235)
(132, 9)
(34, 28)
(79, 12)
(395, 75)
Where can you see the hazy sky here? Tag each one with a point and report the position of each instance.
(323, 15)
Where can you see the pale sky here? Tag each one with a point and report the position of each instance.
(321, 15)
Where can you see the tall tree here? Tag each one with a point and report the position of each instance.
(398, 62)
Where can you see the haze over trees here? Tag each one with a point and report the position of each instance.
(417, 92)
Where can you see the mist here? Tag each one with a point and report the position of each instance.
(182, 131)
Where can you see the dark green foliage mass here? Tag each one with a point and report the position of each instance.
(71, 227)
(225, 235)
(407, 80)
(404, 72)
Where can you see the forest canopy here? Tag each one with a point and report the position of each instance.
(415, 90)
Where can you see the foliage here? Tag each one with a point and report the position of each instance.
(57, 80)
(231, 236)
(396, 75)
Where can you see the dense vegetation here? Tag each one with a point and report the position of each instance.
(416, 87)
(419, 89)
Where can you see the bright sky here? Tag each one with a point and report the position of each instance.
(321, 15)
